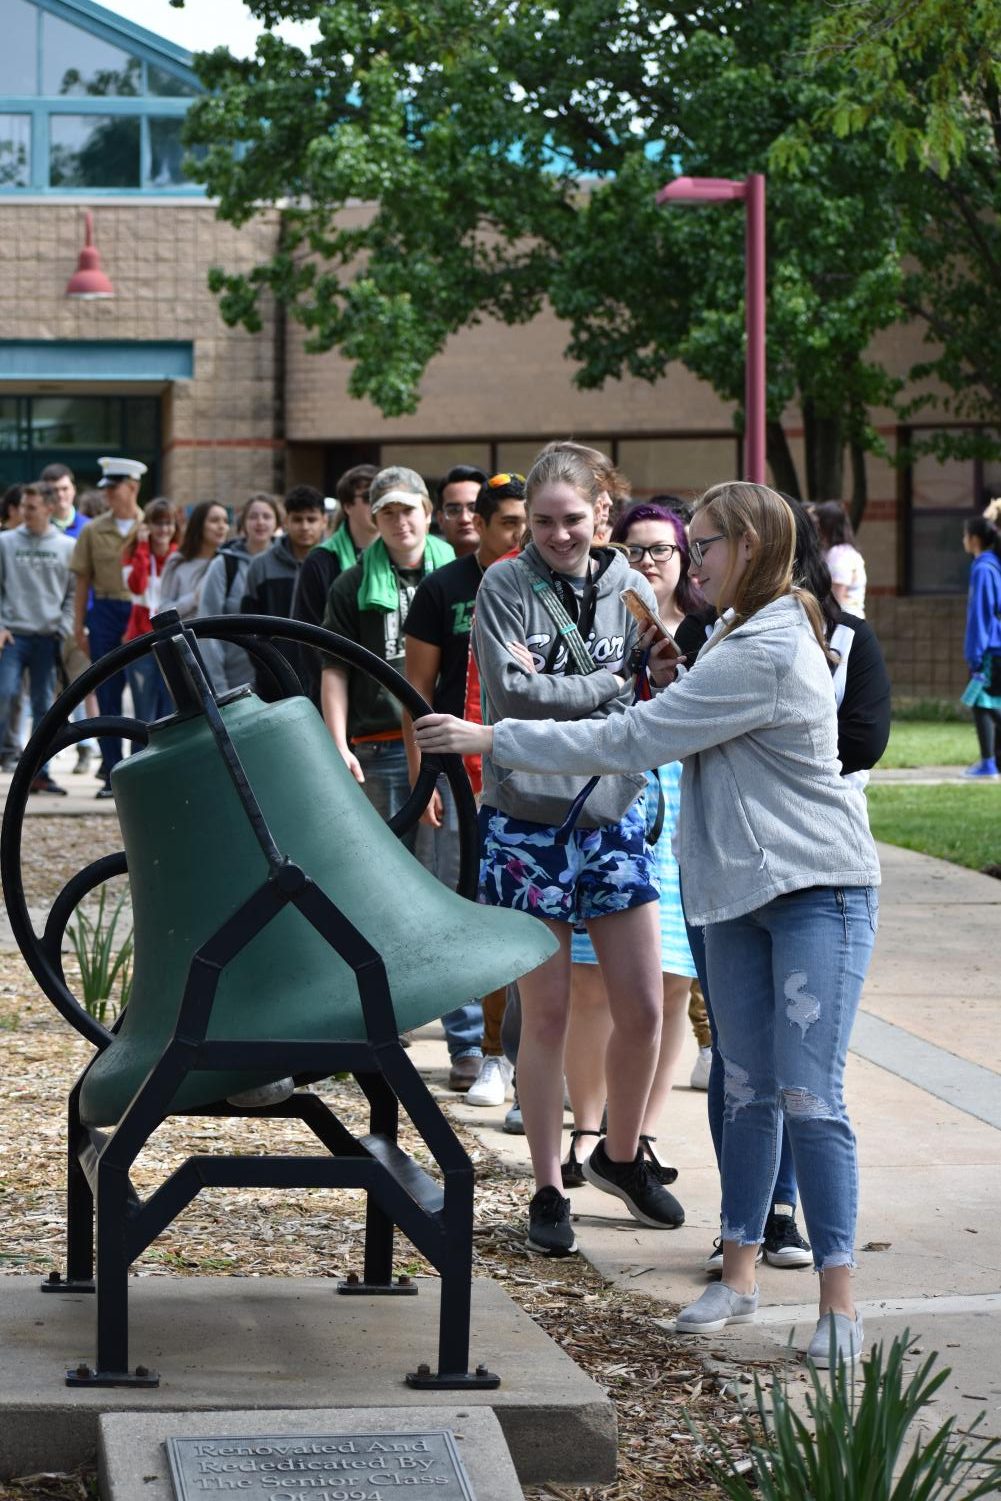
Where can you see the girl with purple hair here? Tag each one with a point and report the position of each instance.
(656, 546)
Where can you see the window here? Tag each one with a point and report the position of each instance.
(11, 434)
(55, 134)
(77, 430)
(15, 151)
(941, 494)
(19, 53)
(93, 151)
(166, 154)
(75, 422)
(74, 62)
(167, 85)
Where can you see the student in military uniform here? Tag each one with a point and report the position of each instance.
(97, 562)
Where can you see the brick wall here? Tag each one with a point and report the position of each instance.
(220, 432)
(922, 641)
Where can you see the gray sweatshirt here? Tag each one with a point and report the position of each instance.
(222, 593)
(36, 585)
(181, 584)
(507, 609)
(764, 808)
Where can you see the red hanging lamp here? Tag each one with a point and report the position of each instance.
(89, 280)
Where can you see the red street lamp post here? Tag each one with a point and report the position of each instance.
(752, 191)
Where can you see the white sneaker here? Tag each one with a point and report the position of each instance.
(700, 1072)
(492, 1082)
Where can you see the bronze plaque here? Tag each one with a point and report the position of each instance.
(324, 1467)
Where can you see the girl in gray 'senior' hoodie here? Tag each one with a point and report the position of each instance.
(778, 863)
(600, 872)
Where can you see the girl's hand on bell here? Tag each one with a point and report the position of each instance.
(443, 734)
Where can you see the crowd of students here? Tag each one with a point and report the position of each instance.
(687, 816)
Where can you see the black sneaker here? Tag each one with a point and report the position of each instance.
(635, 1184)
(714, 1261)
(784, 1246)
(549, 1229)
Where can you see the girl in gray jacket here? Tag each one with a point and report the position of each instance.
(779, 866)
(551, 638)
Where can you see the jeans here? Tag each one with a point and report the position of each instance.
(106, 623)
(38, 655)
(786, 981)
(150, 695)
(464, 1025)
(387, 787)
(784, 1191)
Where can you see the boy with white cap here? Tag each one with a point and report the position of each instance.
(97, 563)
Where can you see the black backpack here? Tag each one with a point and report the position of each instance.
(231, 562)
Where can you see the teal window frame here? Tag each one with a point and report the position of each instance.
(150, 50)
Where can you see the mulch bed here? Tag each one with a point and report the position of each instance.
(657, 1384)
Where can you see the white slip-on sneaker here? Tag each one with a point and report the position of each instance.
(492, 1083)
(700, 1069)
(718, 1306)
(848, 1341)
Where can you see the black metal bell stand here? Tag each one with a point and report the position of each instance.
(436, 1216)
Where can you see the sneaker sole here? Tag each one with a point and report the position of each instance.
(789, 1259)
(619, 1193)
(473, 1099)
(823, 1362)
(556, 1251)
(715, 1325)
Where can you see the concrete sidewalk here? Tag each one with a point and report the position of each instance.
(924, 1088)
(922, 776)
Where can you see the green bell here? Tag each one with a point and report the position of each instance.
(193, 860)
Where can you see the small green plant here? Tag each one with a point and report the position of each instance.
(849, 1447)
(102, 965)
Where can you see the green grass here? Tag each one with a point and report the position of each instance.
(958, 823)
(926, 744)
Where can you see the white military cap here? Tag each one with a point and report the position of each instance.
(113, 470)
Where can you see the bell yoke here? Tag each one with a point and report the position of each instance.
(280, 929)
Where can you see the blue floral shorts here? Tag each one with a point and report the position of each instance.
(597, 871)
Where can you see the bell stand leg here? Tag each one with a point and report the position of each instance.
(384, 1120)
(113, 1261)
(79, 1212)
(453, 1373)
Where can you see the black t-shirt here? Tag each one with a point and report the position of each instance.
(441, 615)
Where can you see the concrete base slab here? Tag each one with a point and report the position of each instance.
(132, 1458)
(226, 1343)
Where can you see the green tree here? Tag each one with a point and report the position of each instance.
(924, 76)
(511, 151)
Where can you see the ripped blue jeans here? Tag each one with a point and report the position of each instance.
(786, 981)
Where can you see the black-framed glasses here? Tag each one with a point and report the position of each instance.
(698, 549)
(660, 552)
